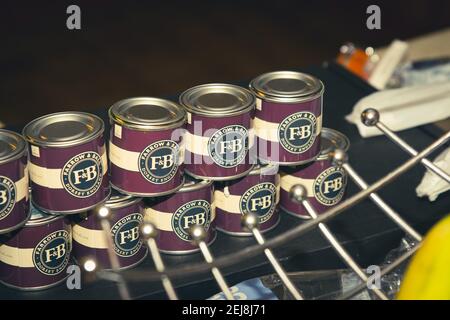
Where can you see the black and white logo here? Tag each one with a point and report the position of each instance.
(260, 199)
(83, 174)
(329, 186)
(7, 196)
(52, 253)
(158, 163)
(228, 146)
(195, 212)
(125, 233)
(297, 132)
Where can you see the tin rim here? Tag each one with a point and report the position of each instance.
(148, 195)
(259, 168)
(213, 179)
(299, 216)
(338, 141)
(18, 226)
(235, 100)
(289, 164)
(195, 184)
(313, 88)
(175, 115)
(29, 289)
(11, 138)
(32, 131)
(119, 200)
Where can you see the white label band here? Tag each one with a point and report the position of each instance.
(288, 181)
(51, 178)
(22, 190)
(89, 238)
(269, 130)
(17, 257)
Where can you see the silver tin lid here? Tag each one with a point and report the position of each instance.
(264, 169)
(144, 113)
(217, 100)
(331, 140)
(38, 217)
(12, 146)
(286, 86)
(191, 184)
(63, 129)
(119, 200)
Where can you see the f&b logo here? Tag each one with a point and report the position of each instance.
(297, 132)
(158, 163)
(83, 174)
(125, 233)
(7, 196)
(260, 199)
(329, 186)
(228, 146)
(192, 213)
(52, 253)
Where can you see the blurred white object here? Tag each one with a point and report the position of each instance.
(431, 185)
(404, 108)
(390, 60)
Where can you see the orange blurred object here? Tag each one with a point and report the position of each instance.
(357, 60)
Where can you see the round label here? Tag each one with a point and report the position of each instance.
(261, 200)
(329, 186)
(189, 214)
(228, 146)
(297, 132)
(82, 175)
(158, 163)
(52, 253)
(7, 196)
(125, 233)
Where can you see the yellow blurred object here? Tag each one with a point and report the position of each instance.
(428, 275)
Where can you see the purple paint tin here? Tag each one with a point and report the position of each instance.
(218, 137)
(68, 163)
(145, 148)
(14, 194)
(126, 214)
(173, 215)
(288, 117)
(257, 193)
(36, 256)
(324, 182)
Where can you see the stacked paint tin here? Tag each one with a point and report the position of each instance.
(222, 151)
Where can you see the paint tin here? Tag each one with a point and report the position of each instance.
(218, 137)
(324, 182)
(257, 192)
(173, 215)
(146, 149)
(288, 117)
(126, 214)
(68, 162)
(14, 195)
(36, 256)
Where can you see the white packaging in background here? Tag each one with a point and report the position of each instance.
(432, 185)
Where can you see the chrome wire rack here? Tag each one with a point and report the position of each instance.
(370, 117)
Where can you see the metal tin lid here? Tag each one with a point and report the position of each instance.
(63, 129)
(331, 140)
(39, 217)
(145, 113)
(264, 169)
(217, 100)
(12, 146)
(119, 200)
(191, 184)
(286, 86)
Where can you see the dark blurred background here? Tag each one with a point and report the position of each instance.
(158, 48)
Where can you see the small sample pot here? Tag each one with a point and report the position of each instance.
(173, 215)
(68, 163)
(14, 194)
(288, 117)
(218, 138)
(325, 183)
(36, 256)
(256, 193)
(146, 148)
(126, 215)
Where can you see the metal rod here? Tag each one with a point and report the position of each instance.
(301, 193)
(250, 221)
(198, 234)
(381, 204)
(104, 214)
(399, 261)
(293, 233)
(149, 233)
